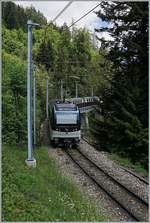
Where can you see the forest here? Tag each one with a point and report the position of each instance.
(117, 71)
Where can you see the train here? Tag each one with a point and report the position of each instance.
(65, 124)
(80, 100)
(65, 120)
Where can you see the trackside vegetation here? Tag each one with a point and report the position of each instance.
(115, 70)
(137, 167)
(58, 56)
(123, 128)
(41, 194)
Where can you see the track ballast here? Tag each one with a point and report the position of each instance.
(134, 205)
(125, 169)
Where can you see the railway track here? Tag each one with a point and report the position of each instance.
(136, 175)
(135, 206)
(84, 139)
(125, 169)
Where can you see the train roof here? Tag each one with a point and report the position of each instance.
(65, 107)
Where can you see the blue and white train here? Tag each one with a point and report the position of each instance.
(65, 124)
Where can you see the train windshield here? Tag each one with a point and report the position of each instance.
(65, 107)
(66, 118)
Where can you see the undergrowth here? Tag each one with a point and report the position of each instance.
(41, 193)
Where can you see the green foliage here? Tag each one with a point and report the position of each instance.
(125, 104)
(41, 194)
(59, 52)
(15, 16)
(14, 99)
(81, 47)
(126, 162)
(45, 55)
(58, 55)
(14, 42)
(99, 128)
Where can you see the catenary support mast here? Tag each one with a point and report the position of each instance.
(61, 90)
(30, 160)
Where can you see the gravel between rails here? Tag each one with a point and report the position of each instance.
(131, 203)
(132, 172)
(116, 171)
(87, 187)
(145, 180)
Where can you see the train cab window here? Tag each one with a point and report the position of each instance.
(65, 107)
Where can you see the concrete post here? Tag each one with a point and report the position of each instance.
(86, 121)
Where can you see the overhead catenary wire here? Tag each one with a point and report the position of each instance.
(84, 15)
(73, 22)
(59, 14)
(74, 62)
(62, 11)
(67, 62)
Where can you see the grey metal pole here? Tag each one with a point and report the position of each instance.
(29, 91)
(76, 89)
(47, 97)
(34, 106)
(61, 90)
(30, 160)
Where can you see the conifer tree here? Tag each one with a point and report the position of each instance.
(125, 109)
(15, 16)
(45, 55)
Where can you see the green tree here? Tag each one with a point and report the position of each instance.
(9, 14)
(58, 55)
(14, 42)
(126, 106)
(45, 55)
(14, 99)
(15, 16)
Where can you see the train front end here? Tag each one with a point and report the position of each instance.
(65, 124)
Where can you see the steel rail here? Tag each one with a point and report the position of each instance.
(113, 179)
(125, 169)
(102, 187)
(90, 143)
(136, 175)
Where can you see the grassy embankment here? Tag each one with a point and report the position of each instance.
(41, 194)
